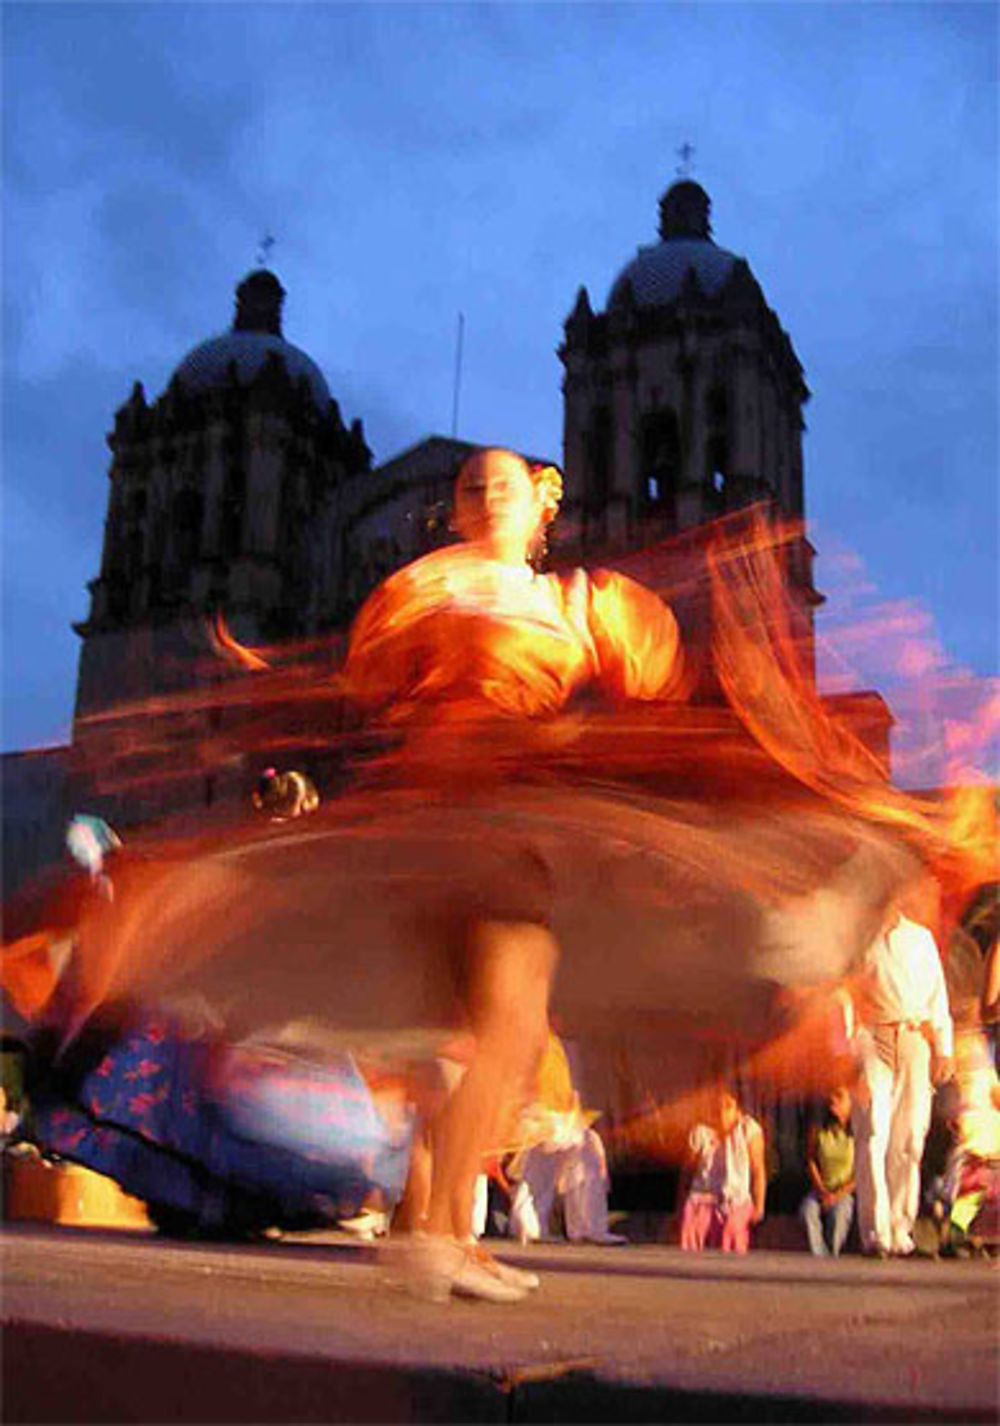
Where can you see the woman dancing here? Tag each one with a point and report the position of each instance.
(452, 647)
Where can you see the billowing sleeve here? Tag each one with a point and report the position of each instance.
(379, 665)
(400, 651)
(635, 638)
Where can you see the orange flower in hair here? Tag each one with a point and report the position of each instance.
(549, 484)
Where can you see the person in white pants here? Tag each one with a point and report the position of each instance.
(564, 1156)
(905, 1041)
(578, 1172)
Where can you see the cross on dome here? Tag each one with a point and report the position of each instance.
(685, 153)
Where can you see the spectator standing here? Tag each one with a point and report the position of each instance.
(905, 1041)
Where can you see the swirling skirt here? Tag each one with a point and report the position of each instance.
(669, 914)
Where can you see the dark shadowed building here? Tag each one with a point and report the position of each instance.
(218, 501)
(683, 403)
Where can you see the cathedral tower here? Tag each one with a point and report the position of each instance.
(219, 500)
(683, 400)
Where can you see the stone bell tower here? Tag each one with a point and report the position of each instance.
(683, 401)
(219, 493)
(222, 500)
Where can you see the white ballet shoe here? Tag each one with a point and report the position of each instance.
(507, 1272)
(422, 1264)
(433, 1267)
(481, 1276)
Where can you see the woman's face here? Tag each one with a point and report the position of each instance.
(497, 504)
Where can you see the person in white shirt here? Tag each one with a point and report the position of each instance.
(905, 1043)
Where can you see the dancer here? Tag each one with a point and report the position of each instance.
(284, 795)
(457, 642)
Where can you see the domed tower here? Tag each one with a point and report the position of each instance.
(219, 502)
(682, 399)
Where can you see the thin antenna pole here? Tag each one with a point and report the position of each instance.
(458, 375)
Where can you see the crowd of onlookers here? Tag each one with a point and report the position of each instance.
(908, 1155)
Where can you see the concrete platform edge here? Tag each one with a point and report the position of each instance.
(53, 1373)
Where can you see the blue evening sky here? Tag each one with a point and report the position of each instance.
(417, 160)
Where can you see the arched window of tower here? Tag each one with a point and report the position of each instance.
(660, 463)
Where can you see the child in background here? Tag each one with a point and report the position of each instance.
(724, 1180)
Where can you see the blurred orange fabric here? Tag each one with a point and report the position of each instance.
(27, 975)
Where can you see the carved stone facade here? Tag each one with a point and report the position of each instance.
(219, 500)
(682, 402)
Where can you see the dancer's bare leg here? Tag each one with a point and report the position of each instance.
(411, 1212)
(512, 968)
